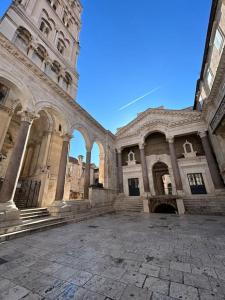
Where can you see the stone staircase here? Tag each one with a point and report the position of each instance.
(205, 205)
(129, 204)
(34, 213)
(36, 220)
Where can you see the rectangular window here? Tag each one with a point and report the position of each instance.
(209, 78)
(218, 42)
(196, 183)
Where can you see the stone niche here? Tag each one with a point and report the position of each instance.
(188, 150)
(131, 159)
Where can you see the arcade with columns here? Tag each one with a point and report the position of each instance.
(167, 158)
(165, 153)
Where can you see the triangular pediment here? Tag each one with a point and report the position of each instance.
(159, 118)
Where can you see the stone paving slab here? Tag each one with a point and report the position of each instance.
(118, 257)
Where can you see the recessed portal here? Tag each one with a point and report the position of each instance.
(161, 177)
(133, 184)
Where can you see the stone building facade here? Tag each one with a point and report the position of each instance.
(210, 90)
(75, 178)
(39, 45)
(163, 156)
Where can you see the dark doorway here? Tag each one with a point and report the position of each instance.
(196, 183)
(27, 193)
(165, 209)
(133, 184)
(159, 170)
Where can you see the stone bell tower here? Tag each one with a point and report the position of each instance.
(47, 31)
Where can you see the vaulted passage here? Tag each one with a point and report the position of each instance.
(162, 182)
(165, 209)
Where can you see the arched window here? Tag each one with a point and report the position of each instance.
(61, 46)
(66, 82)
(39, 55)
(55, 5)
(65, 17)
(45, 27)
(56, 68)
(53, 70)
(23, 39)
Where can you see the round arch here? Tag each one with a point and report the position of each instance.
(160, 127)
(18, 90)
(57, 120)
(159, 171)
(86, 135)
(165, 208)
(149, 133)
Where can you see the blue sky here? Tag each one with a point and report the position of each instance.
(129, 48)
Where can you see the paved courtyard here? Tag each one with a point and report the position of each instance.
(118, 256)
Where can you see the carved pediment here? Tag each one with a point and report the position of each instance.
(158, 120)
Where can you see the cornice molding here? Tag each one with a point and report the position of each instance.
(189, 117)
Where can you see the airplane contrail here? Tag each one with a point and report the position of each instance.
(139, 98)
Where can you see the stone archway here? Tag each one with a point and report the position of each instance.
(159, 171)
(34, 166)
(165, 208)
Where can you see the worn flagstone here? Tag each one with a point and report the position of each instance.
(118, 257)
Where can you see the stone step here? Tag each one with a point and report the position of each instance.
(33, 223)
(209, 205)
(34, 216)
(30, 227)
(29, 210)
(36, 213)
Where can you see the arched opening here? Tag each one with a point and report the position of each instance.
(75, 177)
(98, 165)
(23, 39)
(34, 164)
(156, 144)
(39, 55)
(165, 209)
(161, 178)
(53, 70)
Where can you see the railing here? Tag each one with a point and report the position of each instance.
(27, 193)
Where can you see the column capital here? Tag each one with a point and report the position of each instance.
(27, 116)
(119, 150)
(141, 146)
(88, 148)
(66, 137)
(202, 133)
(170, 139)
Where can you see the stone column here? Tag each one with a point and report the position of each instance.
(213, 167)
(6, 115)
(120, 171)
(102, 168)
(144, 169)
(62, 169)
(87, 173)
(14, 166)
(176, 171)
(13, 170)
